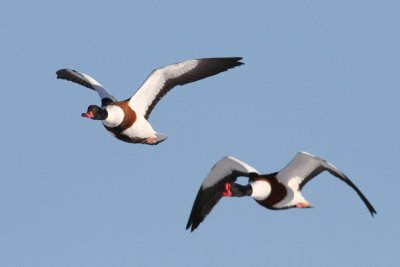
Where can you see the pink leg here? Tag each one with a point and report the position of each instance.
(151, 140)
(301, 205)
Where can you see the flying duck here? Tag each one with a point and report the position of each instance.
(127, 120)
(276, 191)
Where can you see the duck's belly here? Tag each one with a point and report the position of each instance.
(140, 129)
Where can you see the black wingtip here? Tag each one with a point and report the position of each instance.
(227, 62)
(347, 180)
(193, 222)
(192, 228)
(191, 225)
(235, 61)
(60, 72)
(371, 208)
(64, 73)
(73, 76)
(372, 211)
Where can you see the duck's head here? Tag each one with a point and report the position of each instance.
(95, 113)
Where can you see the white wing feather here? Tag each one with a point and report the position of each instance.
(299, 168)
(151, 88)
(103, 93)
(84, 80)
(225, 167)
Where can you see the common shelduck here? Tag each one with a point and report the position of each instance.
(127, 120)
(276, 191)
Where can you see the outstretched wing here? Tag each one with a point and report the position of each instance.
(227, 170)
(87, 81)
(162, 80)
(305, 167)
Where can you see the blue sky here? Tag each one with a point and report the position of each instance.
(319, 76)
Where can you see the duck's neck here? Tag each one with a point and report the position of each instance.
(115, 116)
(261, 189)
(239, 190)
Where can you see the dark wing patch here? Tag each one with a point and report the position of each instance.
(106, 101)
(207, 198)
(75, 77)
(326, 166)
(207, 67)
(345, 179)
(310, 176)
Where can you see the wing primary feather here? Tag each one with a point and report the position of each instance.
(202, 207)
(162, 80)
(321, 165)
(74, 76)
(206, 67)
(226, 170)
(345, 179)
(87, 81)
(206, 199)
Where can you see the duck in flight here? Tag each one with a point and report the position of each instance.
(127, 120)
(276, 191)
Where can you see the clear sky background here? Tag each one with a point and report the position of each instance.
(319, 76)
